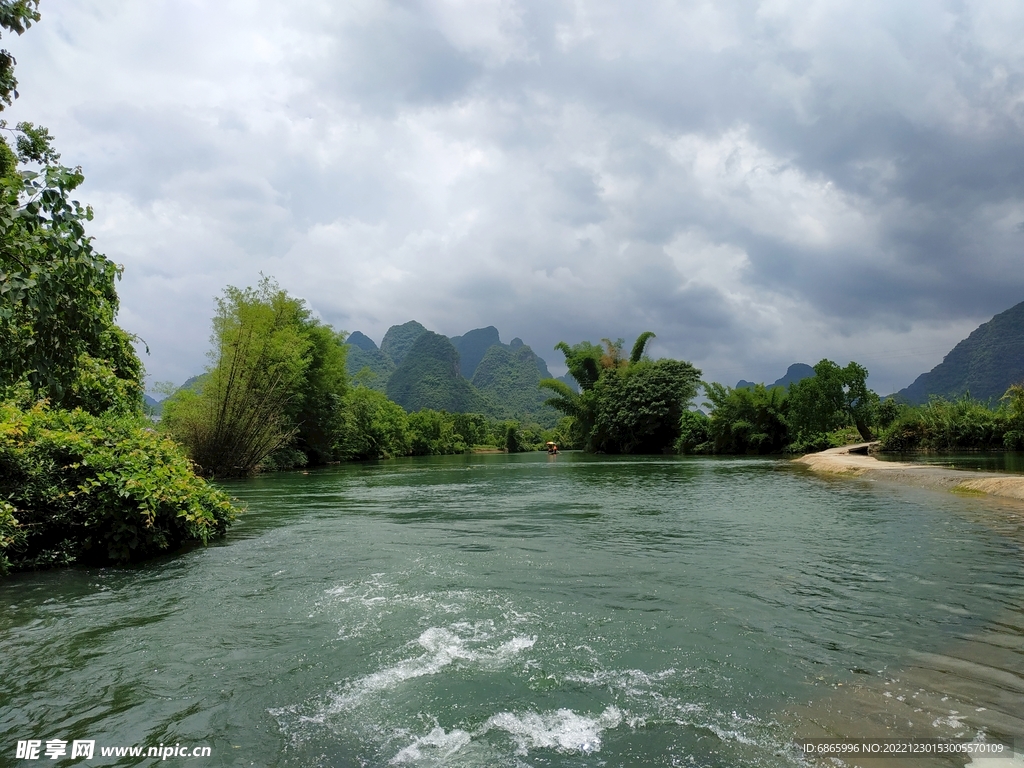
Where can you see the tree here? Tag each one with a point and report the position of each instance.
(15, 16)
(747, 420)
(513, 441)
(433, 433)
(626, 405)
(57, 294)
(583, 361)
(1013, 439)
(579, 409)
(276, 374)
(639, 406)
(694, 433)
(317, 410)
(83, 476)
(833, 398)
(373, 426)
(640, 345)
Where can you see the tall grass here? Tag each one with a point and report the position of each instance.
(964, 423)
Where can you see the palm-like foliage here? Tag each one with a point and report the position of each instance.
(583, 361)
(625, 404)
(640, 345)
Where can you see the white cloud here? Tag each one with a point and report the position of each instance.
(756, 184)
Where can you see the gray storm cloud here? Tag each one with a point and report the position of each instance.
(758, 183)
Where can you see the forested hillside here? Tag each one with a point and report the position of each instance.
(985, 364)
(367, 364)
(416, 370)
(472, 347)
(510, 375)
(429, 377)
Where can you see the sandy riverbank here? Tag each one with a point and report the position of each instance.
(854, 461)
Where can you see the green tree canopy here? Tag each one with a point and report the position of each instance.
(276, 374)
(626, 405)
(747, 420)
(83, 476)
(373, 426)
(57, 294)
(15, 16)
(833, 398)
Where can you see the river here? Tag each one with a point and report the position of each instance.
(527, 610)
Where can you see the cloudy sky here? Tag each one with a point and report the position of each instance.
(757, 182)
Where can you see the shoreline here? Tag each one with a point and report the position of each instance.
(854, 461)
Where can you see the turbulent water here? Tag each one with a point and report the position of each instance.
(536, 611)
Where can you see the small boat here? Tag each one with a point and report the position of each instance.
(552, 448)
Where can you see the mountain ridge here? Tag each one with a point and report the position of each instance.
(474, 372)
(984, 364)
(796, 372)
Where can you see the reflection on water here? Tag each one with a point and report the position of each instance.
(524, 611)
(996, 461)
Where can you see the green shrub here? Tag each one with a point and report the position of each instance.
(12, 535)
(97, 489)
(433, 433)
(694, 433)
(747, 420)
(373, 427)
(964, 423)
(822, 441)
(906, 433)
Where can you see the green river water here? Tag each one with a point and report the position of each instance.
(528, 610)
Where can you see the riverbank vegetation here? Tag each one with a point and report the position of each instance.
(83, 476)
(625, 404)
(818, 412)
(277, 396)
(834, 408)
(960, 424)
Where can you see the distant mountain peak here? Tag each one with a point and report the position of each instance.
(429, 377)
(796, 372)
(361, 340)
(472, 346)
(475, 372)
(985, 364)
(399, 340)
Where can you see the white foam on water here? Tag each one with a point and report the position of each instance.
(360, 606)
(954, 721)
(643, 691)
(436, 747)
(441, 648)
(634, 682)
(562, 730)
